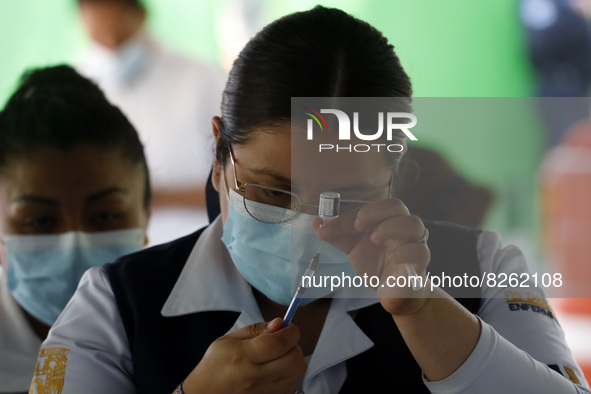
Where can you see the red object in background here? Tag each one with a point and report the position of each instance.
(566, 204)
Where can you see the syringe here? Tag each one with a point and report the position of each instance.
(328, 209)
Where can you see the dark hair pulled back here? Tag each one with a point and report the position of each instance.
(130, 3)
(56, 107)
(323, 52)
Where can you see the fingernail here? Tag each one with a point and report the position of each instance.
(271, 323)
(357, 224)
(374, 237)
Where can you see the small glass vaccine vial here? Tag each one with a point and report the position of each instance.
(328, 207)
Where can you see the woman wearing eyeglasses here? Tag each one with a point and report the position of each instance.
(187, 316)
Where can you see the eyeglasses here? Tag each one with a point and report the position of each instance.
(290, 202)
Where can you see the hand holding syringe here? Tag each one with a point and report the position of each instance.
(328, 209)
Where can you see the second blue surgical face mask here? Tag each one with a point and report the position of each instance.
(121, 67)
(43, 271)
(272, 257)
(131, 60)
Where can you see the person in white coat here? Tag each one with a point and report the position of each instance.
(170, 98)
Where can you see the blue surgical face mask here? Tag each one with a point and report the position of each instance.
(131, 60)
(43, 271)
(120, 67)
(272, 257)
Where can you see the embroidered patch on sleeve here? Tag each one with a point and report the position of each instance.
(50, 371)
(531, 302)
(571, 374)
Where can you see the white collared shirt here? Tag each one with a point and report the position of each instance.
(90, 330)
(19, 346)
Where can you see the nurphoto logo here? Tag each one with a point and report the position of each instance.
(392, 122)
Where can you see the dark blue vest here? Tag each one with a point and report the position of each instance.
(166, 349)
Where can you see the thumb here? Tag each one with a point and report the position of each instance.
(316, 224)
(254, 330)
